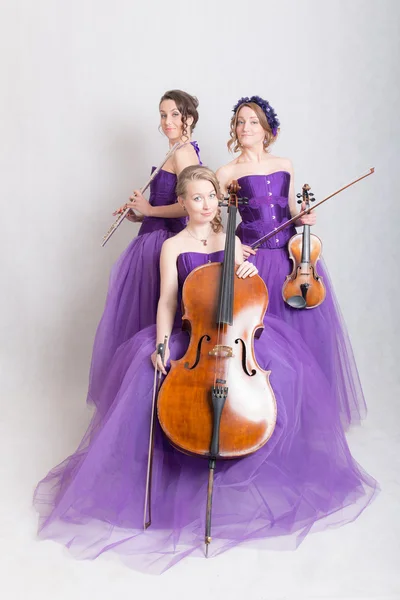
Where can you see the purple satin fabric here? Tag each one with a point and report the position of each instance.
(323, 328)
(267, 209)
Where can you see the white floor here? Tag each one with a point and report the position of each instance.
(358, 561)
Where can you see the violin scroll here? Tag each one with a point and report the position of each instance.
(306, 196)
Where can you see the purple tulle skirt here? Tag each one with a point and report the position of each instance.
(323, 330)
(304, 479)
(131, 304)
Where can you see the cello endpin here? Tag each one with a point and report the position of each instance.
(207, 542)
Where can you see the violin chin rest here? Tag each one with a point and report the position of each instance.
(296, 302)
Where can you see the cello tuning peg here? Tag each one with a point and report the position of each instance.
(299, 195)
(310, 194)
(299, 201)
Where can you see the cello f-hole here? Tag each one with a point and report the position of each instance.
(198, 354)
(244, 358)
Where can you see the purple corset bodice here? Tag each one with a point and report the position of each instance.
(188, 261)
(268, 208)
(162, 193)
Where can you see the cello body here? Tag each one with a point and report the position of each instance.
(219, 357)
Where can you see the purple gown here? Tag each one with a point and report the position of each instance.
(134, 286)
(322, 328)
(304, 479)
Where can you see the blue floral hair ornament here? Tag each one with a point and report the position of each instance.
(267, 109)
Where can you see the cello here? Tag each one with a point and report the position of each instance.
(216, 402)
(304, 288)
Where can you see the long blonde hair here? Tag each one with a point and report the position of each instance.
(194, 173)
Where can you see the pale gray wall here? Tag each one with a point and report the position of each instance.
(82, 82)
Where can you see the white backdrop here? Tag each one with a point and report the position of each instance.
(81, 82)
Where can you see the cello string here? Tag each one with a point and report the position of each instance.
(226, 295)
(223, 296)
(231, 275)
(220, 307)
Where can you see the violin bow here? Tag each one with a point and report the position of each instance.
(126, 210)
(156, 386)
(291, 221)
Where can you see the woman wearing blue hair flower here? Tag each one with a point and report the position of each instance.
(267, 181)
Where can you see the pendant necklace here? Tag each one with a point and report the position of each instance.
(204, 241)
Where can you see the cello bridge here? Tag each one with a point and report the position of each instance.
(221, 351)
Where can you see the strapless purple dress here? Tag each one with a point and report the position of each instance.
(304, 479)
(134, 286)
(322, 328)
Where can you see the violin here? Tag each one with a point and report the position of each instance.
(216, 402)
(304, 288)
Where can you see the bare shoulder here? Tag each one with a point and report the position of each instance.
(184, 156)
(170, 246)
(186, 148)
(286, 163)
(225, 173)
(228, 168)
(186, 152)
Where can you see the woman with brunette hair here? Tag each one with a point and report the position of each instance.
(134, 286)
(267, 181)
(303, 479)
